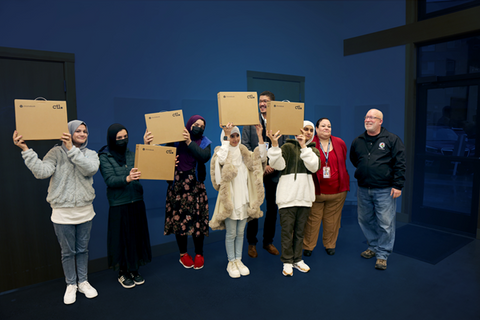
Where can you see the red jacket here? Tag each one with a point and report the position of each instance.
(340, 150)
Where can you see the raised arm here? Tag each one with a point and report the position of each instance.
(87, 163)
(311, 159)
(274, 153)
(40, 169)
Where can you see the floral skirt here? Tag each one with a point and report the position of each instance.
(186, 210)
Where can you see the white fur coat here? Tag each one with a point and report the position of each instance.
(256, 193)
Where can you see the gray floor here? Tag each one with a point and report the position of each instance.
(343, 286)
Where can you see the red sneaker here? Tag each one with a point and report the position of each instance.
(186, 261)
(199, 262)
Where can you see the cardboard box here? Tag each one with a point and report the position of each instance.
(240, 108)
(285, 116)
(166, 126)
(40, 119)
(155, 162)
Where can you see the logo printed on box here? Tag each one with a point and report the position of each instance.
(57, 106)
(169, 152)
(250, 96)
(298, 107)
(176, 114)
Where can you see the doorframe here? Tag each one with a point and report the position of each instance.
(251, 75)
(68, 60)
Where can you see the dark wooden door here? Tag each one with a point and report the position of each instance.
(28, 245)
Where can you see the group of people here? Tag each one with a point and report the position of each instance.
(304, 179)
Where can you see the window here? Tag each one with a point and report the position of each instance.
(434, 8)
(450, 58)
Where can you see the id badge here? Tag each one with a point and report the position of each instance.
(266, 145)
(326, 172)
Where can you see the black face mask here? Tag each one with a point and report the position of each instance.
(197, 132)
(122, 144)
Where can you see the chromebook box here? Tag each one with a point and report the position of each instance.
(41, 119)
(285, 116)
(155, 162)
(240, 108)
(166, 126)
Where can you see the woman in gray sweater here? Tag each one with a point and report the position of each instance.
(70, 167)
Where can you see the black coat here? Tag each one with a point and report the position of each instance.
(119, 191)
(250, 140)
(382, 167)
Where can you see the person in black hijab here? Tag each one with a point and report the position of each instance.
(128, 240)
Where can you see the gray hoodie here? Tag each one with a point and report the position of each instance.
(70, 172)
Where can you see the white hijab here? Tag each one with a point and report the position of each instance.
(308, 123)
(234, 152)
(238, 185)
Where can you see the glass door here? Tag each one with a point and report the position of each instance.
(447, 165)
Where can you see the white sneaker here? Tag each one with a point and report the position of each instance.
(70, 294)
(244, 271)
(302, 266)
(233, 270)
(87, 289)
(287, 270)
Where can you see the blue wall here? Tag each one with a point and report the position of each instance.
(134, 57)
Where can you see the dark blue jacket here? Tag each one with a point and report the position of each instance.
(119, 191)
(382, 167)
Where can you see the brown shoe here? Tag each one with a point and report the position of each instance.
(368, 254)
(252, 251)
(381, 264)
(271, 249)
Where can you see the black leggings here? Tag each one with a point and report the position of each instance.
(197, 241)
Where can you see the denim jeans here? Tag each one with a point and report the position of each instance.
(376, 217)
(73, 240)
(234, 238)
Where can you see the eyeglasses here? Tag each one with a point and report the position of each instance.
(371, 118)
